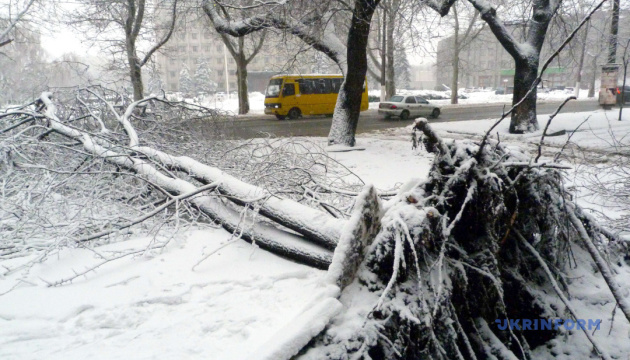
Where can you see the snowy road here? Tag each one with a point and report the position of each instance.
(253, 126)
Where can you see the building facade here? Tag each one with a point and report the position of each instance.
(202, 44)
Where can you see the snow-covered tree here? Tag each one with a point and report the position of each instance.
(186, 83)
(13, 12)
(23, 69)
(126, 26)
(402, 68)
(203, 78)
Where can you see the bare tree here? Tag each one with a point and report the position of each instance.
(15, 10)
(130, 30)
(526, 56)
(460, 42)
(394, 26)
(238, 49)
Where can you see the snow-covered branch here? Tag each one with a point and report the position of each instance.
(13, 21)
(267, 237)
(323, 40)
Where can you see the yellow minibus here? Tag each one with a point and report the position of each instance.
(295, 95)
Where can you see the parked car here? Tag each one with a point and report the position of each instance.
(626, 94)
(406, 106)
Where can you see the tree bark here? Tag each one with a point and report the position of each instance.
(524, 116)
(390, 78)
(241, 78)
(454, 82)
(348, 107)
(614, 29)
(578, 78)
(383, 57)
(135, 73)
(591, 84)
(455, 62)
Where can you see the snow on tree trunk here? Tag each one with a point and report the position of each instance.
(315, 225)
(524, 116)
(348, 107)
(356, 236)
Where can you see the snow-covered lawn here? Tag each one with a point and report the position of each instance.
(230, 103)
(159, 305)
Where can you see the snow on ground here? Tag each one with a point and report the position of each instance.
(155, 306)
(230, 104)
(598, 129)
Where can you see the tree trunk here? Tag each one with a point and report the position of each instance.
(241, 78)
(455, 62)
(390, 78)
(578, 79)
(348, 108)
(614, 30)
(454, 88)
(591, 85)
(383, 57)
(524, 116)
(135, 73)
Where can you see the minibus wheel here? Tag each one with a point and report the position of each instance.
(294, 113)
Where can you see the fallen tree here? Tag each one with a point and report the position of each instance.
(479, 241)
(92, 127)
(484, 237)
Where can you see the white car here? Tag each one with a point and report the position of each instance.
(406, 106)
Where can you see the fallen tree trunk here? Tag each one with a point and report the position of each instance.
(316, 226)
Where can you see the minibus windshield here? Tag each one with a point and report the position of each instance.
(273, 89)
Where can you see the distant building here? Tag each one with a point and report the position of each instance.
(422, 77)
(199, 41)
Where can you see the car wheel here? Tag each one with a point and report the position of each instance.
(404, 115)
(280, 117)
(435, 113)
(294, 113)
